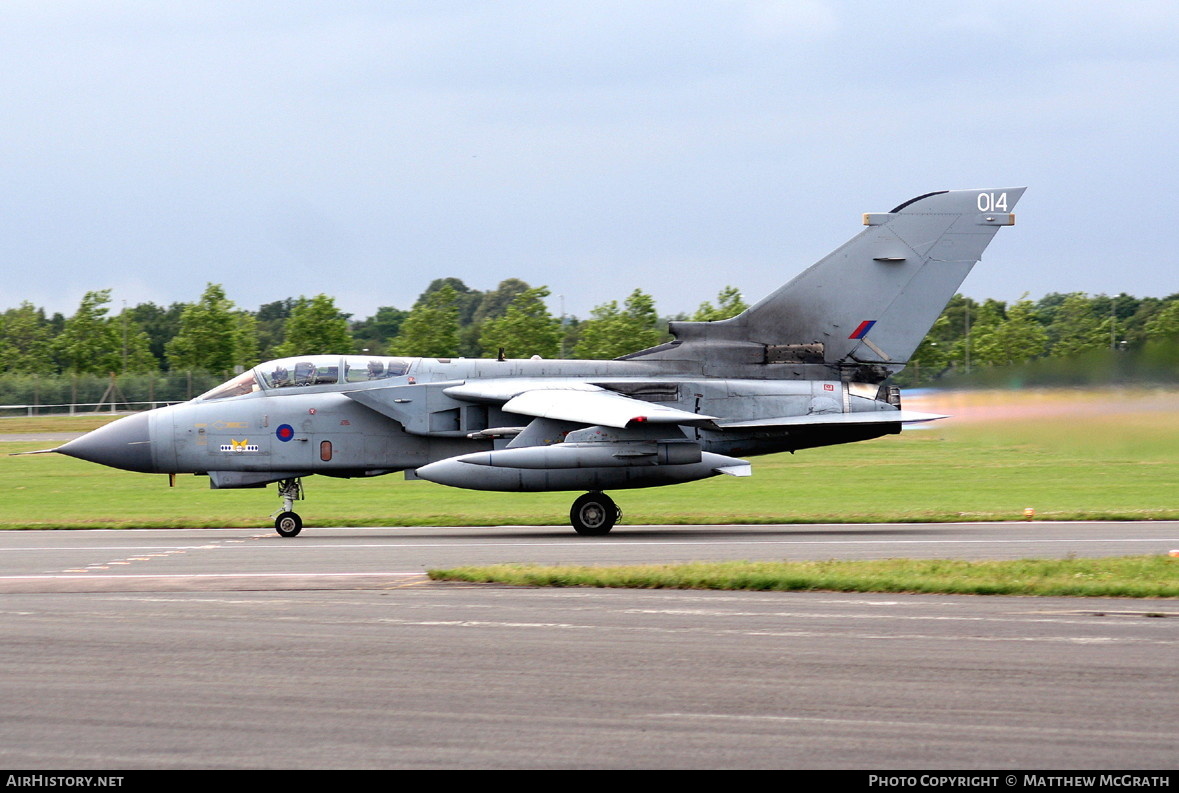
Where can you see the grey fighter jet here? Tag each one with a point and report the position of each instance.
(805, 367)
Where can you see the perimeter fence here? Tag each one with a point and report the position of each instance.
(45, 395)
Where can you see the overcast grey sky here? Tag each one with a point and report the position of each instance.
(363, 149)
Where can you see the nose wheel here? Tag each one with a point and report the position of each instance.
(288, 523)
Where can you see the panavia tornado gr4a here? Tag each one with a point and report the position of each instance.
(804, 367)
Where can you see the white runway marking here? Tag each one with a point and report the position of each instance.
(573, 542)
(58, 576)
(1037, 730)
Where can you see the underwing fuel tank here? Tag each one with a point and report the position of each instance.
(590, 455)
(593, 466)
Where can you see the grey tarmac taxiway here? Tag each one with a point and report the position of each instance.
(234, 648)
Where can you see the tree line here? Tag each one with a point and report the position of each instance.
(214, 335)
(449, 319)
(971, 336)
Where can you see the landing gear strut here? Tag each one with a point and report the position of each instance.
(594, 514)
(288, 523)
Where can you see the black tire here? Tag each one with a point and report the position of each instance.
(288, 524)
(593, 514)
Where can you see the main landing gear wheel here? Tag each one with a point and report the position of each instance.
(593, 514)
(288, 524)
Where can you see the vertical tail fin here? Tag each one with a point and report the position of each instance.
(871, 301)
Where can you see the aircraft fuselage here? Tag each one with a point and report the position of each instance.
(273, 433)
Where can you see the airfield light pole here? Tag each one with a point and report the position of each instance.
(564, 329)
(1113, 319)
(124, 318)
(966, 305)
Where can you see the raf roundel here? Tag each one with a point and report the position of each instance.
(284, 432)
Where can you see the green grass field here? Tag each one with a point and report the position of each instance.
(1068, 456)
(1124, 576)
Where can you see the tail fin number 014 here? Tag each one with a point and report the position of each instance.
(989, 202)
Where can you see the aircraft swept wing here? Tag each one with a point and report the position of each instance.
(832, 419)
(576, 401)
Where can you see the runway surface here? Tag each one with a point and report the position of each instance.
(239, 649)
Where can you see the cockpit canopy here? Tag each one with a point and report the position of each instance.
(309, 370)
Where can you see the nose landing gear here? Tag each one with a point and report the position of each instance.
(288, 523)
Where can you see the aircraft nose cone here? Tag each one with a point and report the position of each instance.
(125, 444)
